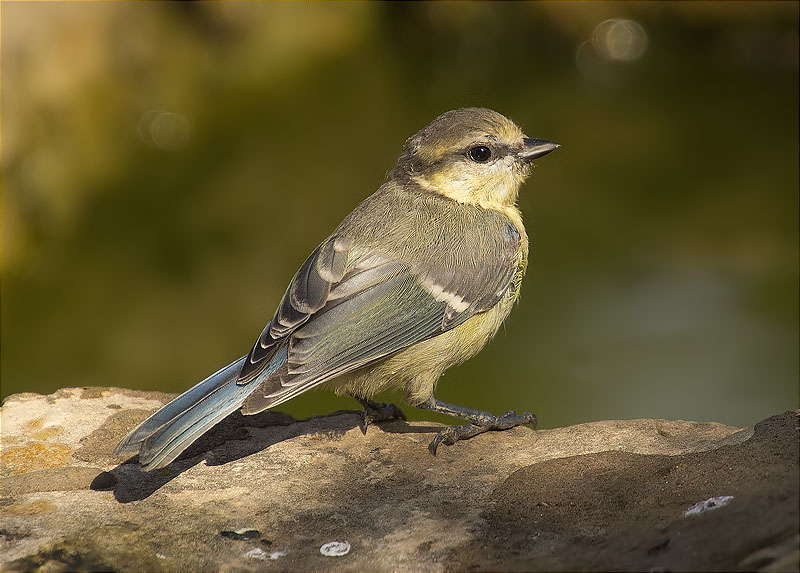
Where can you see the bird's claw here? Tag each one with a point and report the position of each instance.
(453, 434)
(375, 412)
(449, 436)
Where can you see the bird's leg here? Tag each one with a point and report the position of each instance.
(480, 422)
(377, 412)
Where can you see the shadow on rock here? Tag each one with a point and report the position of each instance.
(233, 439)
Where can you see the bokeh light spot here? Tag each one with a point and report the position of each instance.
(165, 130)
(619, 39)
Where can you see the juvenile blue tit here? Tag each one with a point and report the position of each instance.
(418, 278)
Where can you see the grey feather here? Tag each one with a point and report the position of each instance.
(307, 293)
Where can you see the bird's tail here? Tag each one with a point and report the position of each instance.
(166, 434)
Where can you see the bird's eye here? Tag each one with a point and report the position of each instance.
(480, 154)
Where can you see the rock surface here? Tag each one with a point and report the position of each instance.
(268, 492)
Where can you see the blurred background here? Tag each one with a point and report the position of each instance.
(166, 168)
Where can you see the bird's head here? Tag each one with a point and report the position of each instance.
(471, 155)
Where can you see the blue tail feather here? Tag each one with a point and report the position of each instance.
(166, 434)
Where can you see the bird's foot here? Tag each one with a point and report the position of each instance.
(375, 412)
(453, 434)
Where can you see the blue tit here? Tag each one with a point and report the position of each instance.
(416, 279)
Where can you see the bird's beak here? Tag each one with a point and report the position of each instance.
(534, 148)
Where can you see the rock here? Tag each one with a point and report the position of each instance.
(269, 492)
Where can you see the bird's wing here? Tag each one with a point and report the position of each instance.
(307, 294)
(349, 306)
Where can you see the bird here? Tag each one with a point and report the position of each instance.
(416, 279)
